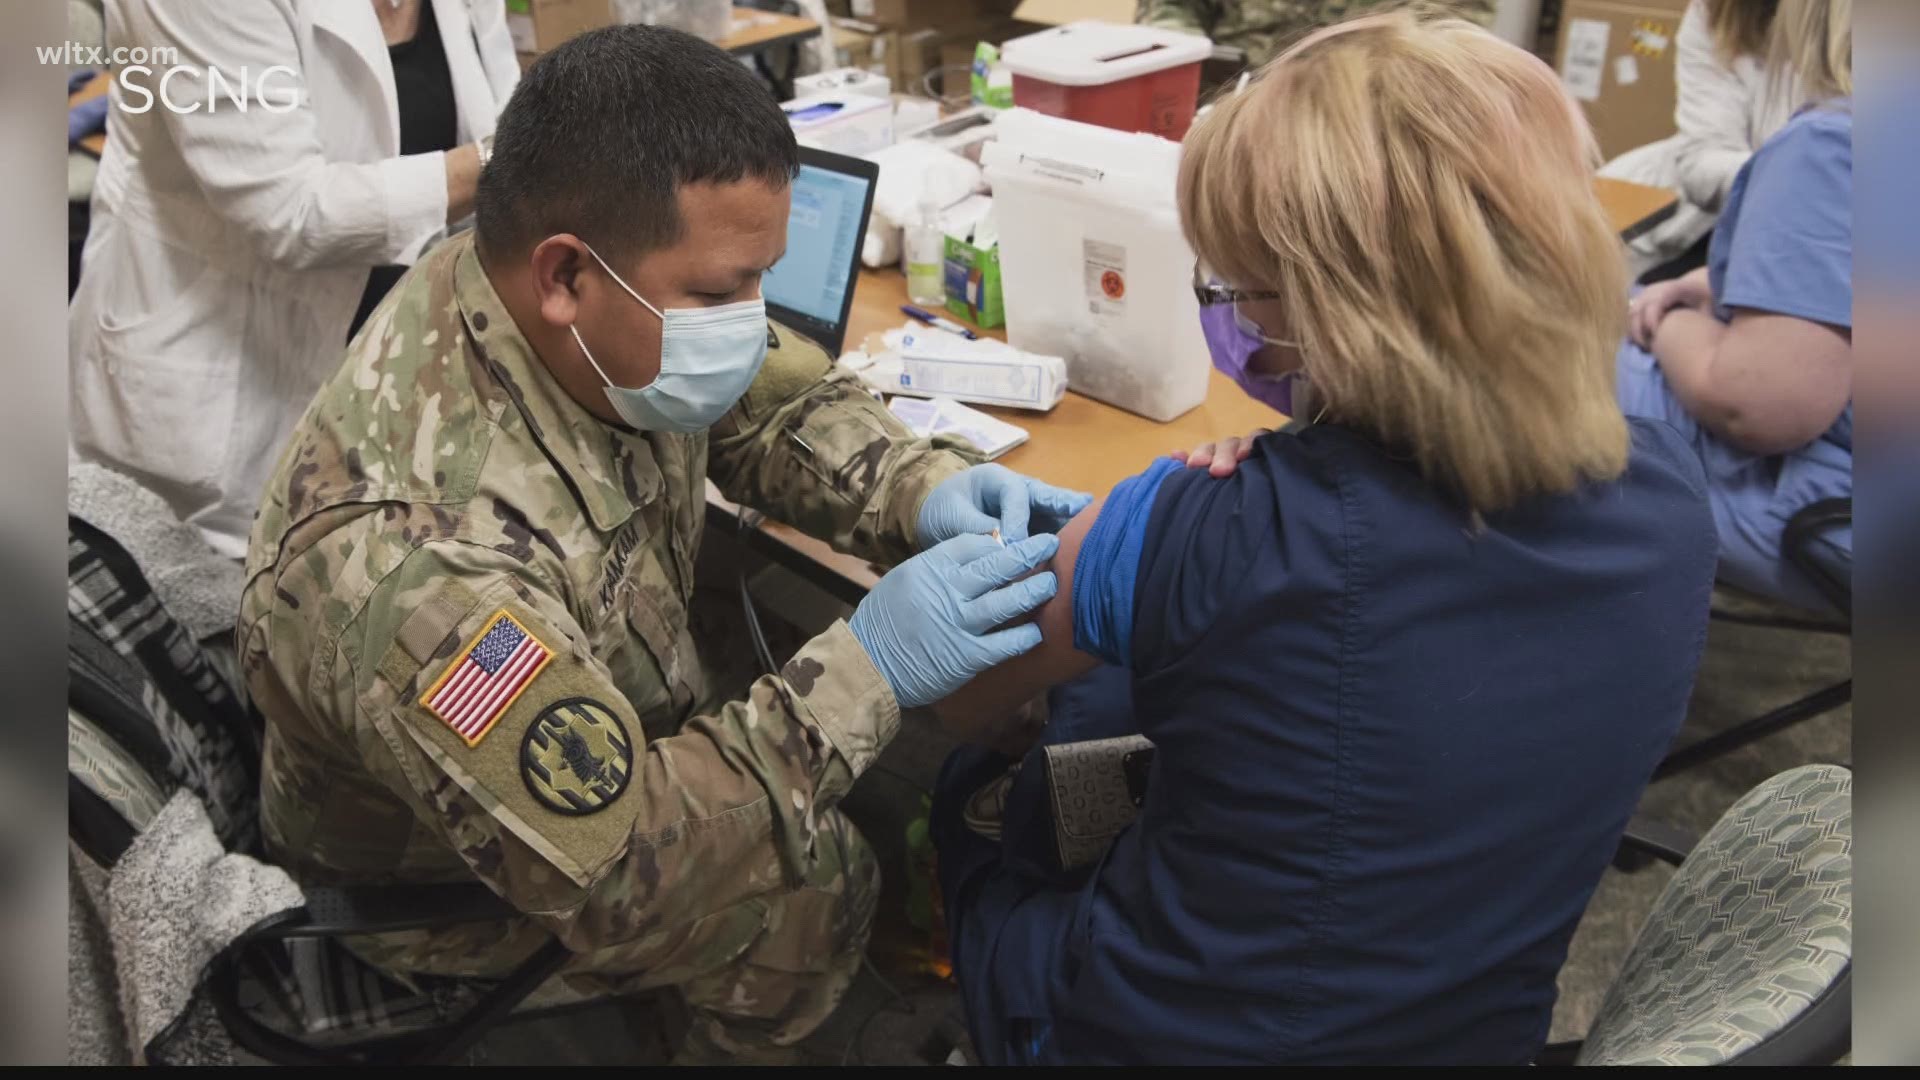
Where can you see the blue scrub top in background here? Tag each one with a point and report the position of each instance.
(1784, 245)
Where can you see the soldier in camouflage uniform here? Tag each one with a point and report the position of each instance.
(1264, 28)
(467, 613)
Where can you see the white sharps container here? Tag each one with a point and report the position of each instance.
(1093, 265)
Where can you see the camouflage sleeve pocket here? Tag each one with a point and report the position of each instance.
(530, 731)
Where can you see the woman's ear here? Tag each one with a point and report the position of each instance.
(556, 263)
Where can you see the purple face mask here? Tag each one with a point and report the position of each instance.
(1231, 346)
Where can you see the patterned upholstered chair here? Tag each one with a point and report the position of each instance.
(153, 714)
(1747, 956)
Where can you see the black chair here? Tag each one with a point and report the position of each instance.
(1833, 576)
(1747, 956)
(341, 913)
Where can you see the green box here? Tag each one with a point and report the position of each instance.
(973, 283)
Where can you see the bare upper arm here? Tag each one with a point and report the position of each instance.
(1788, 378)
(1055, 617)
(1002, 690)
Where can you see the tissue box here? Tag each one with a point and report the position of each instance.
(851, 79)
(973, 283)
(841, 121)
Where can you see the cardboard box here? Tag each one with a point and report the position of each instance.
(1061, 12)
(913, 53)
(859, 45)
(539, 25)
(957, 47)
(1616, 57)
(920, 14)
(909, 55)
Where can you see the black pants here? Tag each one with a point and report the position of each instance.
(79, 216)
(1004, 905)
(1681, 265)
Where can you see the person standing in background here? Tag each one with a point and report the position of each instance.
(233, 248)
(1262, 28)
(1726, 105)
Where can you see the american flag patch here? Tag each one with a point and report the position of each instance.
(491, 672)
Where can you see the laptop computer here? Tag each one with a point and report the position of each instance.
(811, 288)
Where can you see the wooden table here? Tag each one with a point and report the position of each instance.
(1635, 208)
(754, 31)
(1082, 444)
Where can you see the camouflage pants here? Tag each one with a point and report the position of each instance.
(762, 974)
(757, 977)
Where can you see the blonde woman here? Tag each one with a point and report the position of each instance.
(1751, 357)
(1726, 105)
(1409, 668)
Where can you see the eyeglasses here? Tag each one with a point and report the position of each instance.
(1209, 291)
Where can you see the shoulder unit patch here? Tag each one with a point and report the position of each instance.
(576, 757)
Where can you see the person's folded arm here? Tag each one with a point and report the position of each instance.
(1765, 382)
(1779, 370)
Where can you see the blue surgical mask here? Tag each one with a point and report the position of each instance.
(708, 358)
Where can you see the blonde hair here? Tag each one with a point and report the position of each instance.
(1739, 27)
(1420, 194)
(1813, 42)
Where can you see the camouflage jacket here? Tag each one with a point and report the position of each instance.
(466, 624)
(1264, 28)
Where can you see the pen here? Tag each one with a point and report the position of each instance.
(939, 323)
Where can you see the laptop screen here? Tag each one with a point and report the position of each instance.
(824, 231)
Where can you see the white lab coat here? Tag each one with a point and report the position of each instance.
(1723, 112)
(229, 249)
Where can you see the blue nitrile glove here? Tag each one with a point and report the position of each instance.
(929, 624)
(86, 118)
(989, 497)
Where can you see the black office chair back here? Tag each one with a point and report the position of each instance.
(1829, 568)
